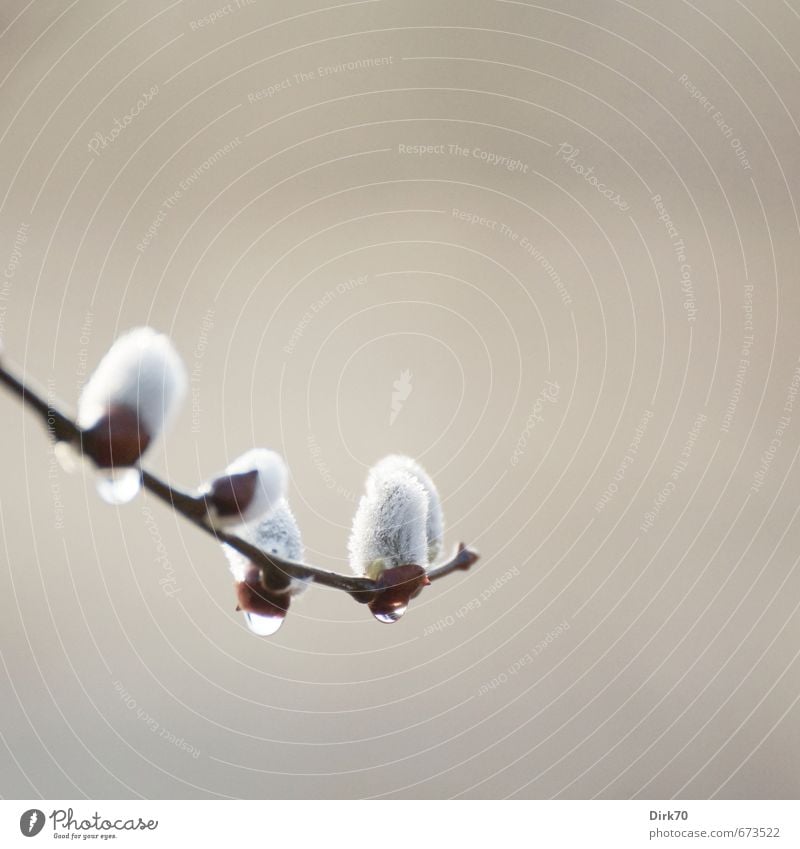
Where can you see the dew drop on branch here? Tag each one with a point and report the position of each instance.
(264, 626)
(118, 486)
(390, 614)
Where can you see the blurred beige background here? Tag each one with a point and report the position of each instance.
(576, 225)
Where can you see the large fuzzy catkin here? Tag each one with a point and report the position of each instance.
(251, 486)
(276, 534)
(131, 395)
(389, 528)
(279, 534)
(435, 519)
(265, 609)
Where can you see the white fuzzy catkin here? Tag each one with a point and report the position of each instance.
(270, 488)
(435, 518)
(277, 534)
(389, 528)
(141, 371)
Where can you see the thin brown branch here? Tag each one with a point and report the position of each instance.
(463, 558)
(276, 571)
(60, 426)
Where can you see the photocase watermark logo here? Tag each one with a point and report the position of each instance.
(31, 822)
(549, 394)
(325, 472)
(100, 141)
(569, 154)
(402, 390)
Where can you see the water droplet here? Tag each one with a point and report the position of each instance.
(264, 626)
(390, 614)
(118, 486)
(67, 456)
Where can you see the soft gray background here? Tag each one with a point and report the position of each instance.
(125, 670)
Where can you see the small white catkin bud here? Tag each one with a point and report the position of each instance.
(276, 534)
(389, 528)
(249, 489)
(435, 519)
(142, 372)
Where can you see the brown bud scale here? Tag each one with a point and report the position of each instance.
(254, 597)
(396, 587)
(117, 439)
(231, 495)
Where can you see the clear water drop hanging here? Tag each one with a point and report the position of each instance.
(390, 614)
(118, 486)
(264, 626)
